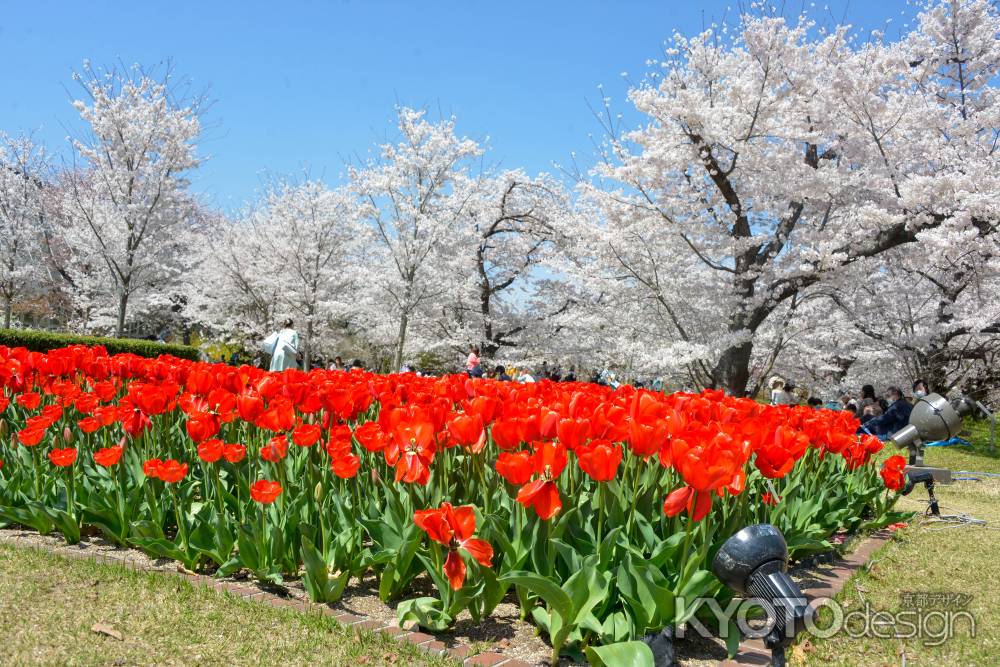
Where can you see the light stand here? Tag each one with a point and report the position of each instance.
(754, 563)
(925, 477)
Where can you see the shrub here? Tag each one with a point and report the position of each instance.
(43, 341)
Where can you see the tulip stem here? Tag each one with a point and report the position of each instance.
(116, 479)
(181, 528)
(38, 473)
(600, 513)
(70, 505)
(687, 542)
(218, 490)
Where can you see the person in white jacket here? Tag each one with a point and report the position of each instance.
(283, 346)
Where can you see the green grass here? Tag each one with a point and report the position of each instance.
(929, 557)
(48, 605)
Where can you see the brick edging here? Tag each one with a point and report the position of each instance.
(460, 651)
(751, 652)
(822, 584)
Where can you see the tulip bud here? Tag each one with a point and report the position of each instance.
(318, 492)
(4, 429)
(68, 436)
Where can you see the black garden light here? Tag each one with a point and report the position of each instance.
(925, 477)
(754, 563)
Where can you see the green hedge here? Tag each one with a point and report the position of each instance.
(43, 341)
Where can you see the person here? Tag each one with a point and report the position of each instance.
(848, 403)
(893, 419)
(777, 387)
(472, 363)
(919, 389)
(338, 364)
(525, 376)
(283, 346)
(791, 398)
(815, 402)
(570, 376)
(781, 392)
(500, 373)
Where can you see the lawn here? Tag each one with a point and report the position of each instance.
(932, 557)
(49, 604)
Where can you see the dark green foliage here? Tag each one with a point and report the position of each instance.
(43, 341)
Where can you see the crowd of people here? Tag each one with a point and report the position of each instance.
(881, 416)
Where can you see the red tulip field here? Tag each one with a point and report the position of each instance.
(597, 510)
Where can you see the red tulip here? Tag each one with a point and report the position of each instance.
(894, 473)
(371, 436)
(454, 528)
(63, 458)
(416, 452)
(265, 491)
(108, 456)
(549, 460)
(275, 450)
(171, 471)
(29, 400)
(306, 435)
(467, 430)
(202, 426)
(600, 460)
(515, 467)
(250, 405)
(29, 437)
(507, 433)
(696, 503)
(151, 468)
(573, 432)
(234, 452)
(210, 451)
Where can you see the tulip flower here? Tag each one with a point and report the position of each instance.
(453, 527)
(894, 473)
(265, 491)
(549, 460)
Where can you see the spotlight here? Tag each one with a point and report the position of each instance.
(925, 477)
(932, 418)
(754, 563)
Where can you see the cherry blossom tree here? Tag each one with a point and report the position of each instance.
(126, 216)
(23, 170)
(501, 290)
(775, 159)
(415, 212)
(295, 254)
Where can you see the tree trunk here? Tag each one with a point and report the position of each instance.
(732, 371)
(122, 307)
(404, 321)
(307, 348)
(7, 308)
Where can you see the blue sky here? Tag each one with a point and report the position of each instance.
(308, 85)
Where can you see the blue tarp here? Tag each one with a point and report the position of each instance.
(948, 443)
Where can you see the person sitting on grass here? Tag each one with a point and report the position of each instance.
(895, 418)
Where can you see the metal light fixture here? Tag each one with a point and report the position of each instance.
(754, 563)
(932, 418)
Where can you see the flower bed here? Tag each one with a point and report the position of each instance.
(600, 510)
